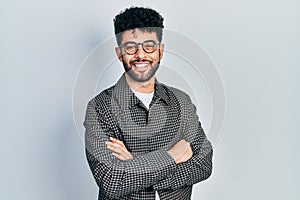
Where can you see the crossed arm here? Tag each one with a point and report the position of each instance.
(180, 152)
(190, 168)
(118, 173)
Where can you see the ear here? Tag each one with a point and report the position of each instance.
(119, 54)
(161, 49)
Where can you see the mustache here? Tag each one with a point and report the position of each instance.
(140, 60)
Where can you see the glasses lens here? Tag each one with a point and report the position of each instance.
(130, 47)
(149, 46)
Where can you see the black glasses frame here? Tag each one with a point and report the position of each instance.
(136, 46)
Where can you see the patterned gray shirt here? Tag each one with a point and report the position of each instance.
(147, 134)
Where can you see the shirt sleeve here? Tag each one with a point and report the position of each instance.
(114, 177)
(199, 167)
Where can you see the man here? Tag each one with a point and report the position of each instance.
(142, 137)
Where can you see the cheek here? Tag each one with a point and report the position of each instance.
(127, 58)
(156, 57)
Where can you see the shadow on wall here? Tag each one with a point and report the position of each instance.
(71, 175)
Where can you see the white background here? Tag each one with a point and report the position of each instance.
(253, 43)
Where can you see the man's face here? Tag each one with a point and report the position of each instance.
(140, 66)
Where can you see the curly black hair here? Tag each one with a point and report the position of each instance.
(146, 19)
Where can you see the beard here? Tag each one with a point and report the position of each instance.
(141, 77)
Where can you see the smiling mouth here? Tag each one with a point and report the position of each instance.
(141, 66)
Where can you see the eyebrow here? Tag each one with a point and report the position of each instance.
(148, 40)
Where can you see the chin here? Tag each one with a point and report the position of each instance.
(139, 79)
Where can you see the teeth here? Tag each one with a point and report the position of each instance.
(141, 65)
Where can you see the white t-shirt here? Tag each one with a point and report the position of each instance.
(156, 196)
(146, 98)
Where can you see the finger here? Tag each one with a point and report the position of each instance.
(114, 140)
(118, 156)
(188, 154)
(115, 149)
(122, 157)
(126, 156)
(129, 156)
(183, 142)
(181, 147)
(116, 145)
(115, 154)
(119, 151)
(117, 141)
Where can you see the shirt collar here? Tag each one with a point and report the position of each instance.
(162, 92)
(126, 98)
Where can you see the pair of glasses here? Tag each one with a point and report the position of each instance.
(149, 46)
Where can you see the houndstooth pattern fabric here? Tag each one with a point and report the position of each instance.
(147, 134)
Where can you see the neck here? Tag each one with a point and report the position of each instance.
(143, 87)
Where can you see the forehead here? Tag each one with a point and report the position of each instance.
(138, 35)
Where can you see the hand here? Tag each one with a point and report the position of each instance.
(181, 151)
(186, 156)
(118, 149)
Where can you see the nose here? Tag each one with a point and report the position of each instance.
(140, 52)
